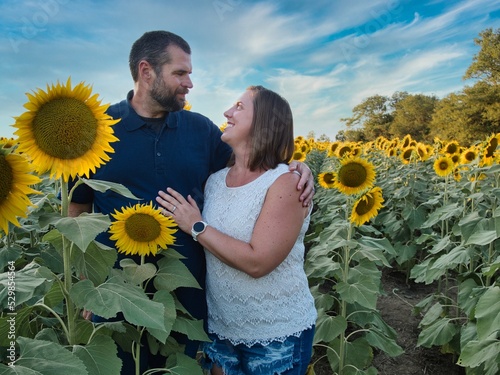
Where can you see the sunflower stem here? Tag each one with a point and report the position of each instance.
(68, 275)
(137, 356)
(343, 307)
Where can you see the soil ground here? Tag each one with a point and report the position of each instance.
(396, 308)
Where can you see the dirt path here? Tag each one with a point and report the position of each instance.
(396, 310)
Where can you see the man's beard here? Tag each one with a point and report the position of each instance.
(164, 97)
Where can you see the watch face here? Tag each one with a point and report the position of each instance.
(198, 226)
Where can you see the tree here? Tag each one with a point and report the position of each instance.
(372, 115)
(412, 115)
(486, 63)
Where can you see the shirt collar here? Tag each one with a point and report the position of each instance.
(136, 121)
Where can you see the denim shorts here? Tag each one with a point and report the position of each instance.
(290, 357)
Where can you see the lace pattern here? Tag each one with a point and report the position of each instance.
(241, 308)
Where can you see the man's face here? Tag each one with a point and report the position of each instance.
(171, 86)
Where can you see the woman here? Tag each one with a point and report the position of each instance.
(261, 314)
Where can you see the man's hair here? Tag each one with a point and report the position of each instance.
(152, 47)
(271, 130)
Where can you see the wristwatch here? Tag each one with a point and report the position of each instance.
(198, 228)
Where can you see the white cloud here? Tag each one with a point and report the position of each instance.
(323, 56)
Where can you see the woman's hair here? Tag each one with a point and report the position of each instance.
(152, 47)
(271, 130)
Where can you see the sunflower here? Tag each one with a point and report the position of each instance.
(298, 155)
(7, 142)
(354, 175)
(443, 165)
(142, 230)
(489, 150)
(15, 179)
(326, 180)
(332, 148)
(187, 106)
(367, 206)
(392, 151)
(408, 154)
(65, 131)
(406, 141)
(344, 150)
(452, 147)
(423, 152)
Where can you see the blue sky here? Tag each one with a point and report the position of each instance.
(324, 56)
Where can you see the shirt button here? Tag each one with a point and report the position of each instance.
(158, 154)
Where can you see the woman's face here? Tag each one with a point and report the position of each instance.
(239, 120)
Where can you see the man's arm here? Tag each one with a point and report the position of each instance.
(75, 209)
(306, 183)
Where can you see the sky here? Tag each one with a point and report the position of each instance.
(324, 56)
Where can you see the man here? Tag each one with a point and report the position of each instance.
(162, 145)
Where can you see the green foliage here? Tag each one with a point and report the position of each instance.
(54, 268)
(475, 110)
(441, 231)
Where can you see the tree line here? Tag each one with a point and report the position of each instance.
(467, 116)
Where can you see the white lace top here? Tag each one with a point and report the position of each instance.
(241, 308)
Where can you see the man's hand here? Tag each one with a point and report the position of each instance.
(306, 182)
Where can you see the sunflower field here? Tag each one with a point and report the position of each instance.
(431, 211)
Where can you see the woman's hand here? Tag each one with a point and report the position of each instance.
(184, 212)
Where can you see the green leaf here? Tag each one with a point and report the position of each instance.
(172, 274)
(9, 254)
(329, 327)
(22, 324)
(48, 358)
(488, 313)
(477, 352)
(438, 333)
(323, 301)
(103, 186)
(135, 273)
(99, 356)
(405, 252)
(167, 300)
(432, 315)
(483, 237)
(443, 213)
(414, 217)
(382, 244)
(55, 295)
(16, 370)
(321, 266)
(363, 291)
(95, 263)
(456, 256)
(192, 328)
(490, 270)
(381, 341)
(31, 281)
(181, 364)
(116, 295)
(82, 230)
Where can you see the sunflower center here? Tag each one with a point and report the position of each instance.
(65, 128)
(444, 165)
(142, 227)
(329, 178)
(7, 177)
(365, 205)
(470, 156)
(352, 175)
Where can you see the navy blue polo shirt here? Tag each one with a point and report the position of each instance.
(181, 155)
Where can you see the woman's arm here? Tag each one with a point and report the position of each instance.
(274, 235)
